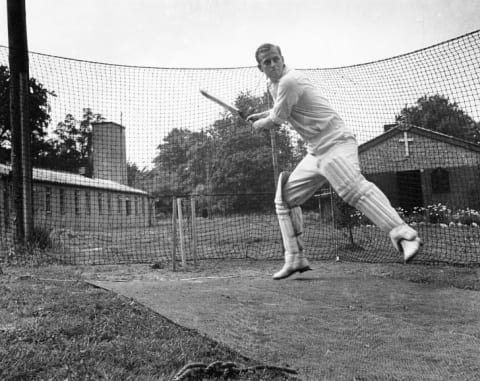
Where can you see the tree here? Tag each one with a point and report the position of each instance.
(132, 174)
(226, 157)
(72, 143)
(243, 155)
(39, 118)
(241, 158)
(172, 158)
(437, 113)
(135, 174)
(173, 151)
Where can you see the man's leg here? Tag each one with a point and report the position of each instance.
(292, 191)
(345, 177)
(290, 222)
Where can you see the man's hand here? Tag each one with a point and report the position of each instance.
(264, 123)
(259, 115)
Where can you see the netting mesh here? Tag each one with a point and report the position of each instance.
(115, 146)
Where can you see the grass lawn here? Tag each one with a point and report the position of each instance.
(246, 236)
(53, 326)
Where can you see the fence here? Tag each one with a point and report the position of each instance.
(114, 147)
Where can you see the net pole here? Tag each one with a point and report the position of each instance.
(19, 120)
(174, 233)
(181, 232)
(273, 143)
(194, 231)
(273, 140)
(332, 211)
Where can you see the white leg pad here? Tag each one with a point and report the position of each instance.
(295, 260)
(289, 237)
(352, 187)
(290, 220)
(291, 227)
(297, 223)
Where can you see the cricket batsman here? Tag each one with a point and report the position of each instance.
(332, 156)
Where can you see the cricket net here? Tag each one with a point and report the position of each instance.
(133, 165)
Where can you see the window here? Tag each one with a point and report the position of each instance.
(119, 204)
(62, 201)
(100, 204)
(87, 203)
(76, 197)
(109, 203)
(48, 200)
(128, 207)
(440, 181)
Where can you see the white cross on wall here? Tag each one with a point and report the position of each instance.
(406, 140)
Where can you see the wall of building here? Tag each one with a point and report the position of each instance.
(60, 206)
(464, 188)
(109, 157)
(89, 209)
(389, 155)
(382, 162)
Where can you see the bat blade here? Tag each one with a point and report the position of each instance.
(225, 105)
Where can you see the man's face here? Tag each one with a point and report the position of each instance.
(272, 64)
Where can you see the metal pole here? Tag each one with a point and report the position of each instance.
(19, 120)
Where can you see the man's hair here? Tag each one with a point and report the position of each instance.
(265, 48)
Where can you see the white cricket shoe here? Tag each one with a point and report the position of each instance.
(406, 240)
(292, 266)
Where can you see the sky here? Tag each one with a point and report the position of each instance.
(225, 33)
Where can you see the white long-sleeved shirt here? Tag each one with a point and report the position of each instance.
(300, 103)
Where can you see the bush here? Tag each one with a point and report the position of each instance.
(347, 217)
(438, 213)
(41, 238)
(466, 217)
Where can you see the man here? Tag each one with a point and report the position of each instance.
(332, 155)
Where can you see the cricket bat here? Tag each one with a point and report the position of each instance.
(223, 104)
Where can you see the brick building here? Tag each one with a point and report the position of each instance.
(419, 167)
(68, 200)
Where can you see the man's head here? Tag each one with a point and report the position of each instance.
(270, 61)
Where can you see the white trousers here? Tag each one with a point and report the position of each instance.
(340, 167)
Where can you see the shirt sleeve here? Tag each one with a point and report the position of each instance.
(288, 94)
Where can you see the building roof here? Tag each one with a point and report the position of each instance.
(401, 127)
(72, 179)
(108, 123)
